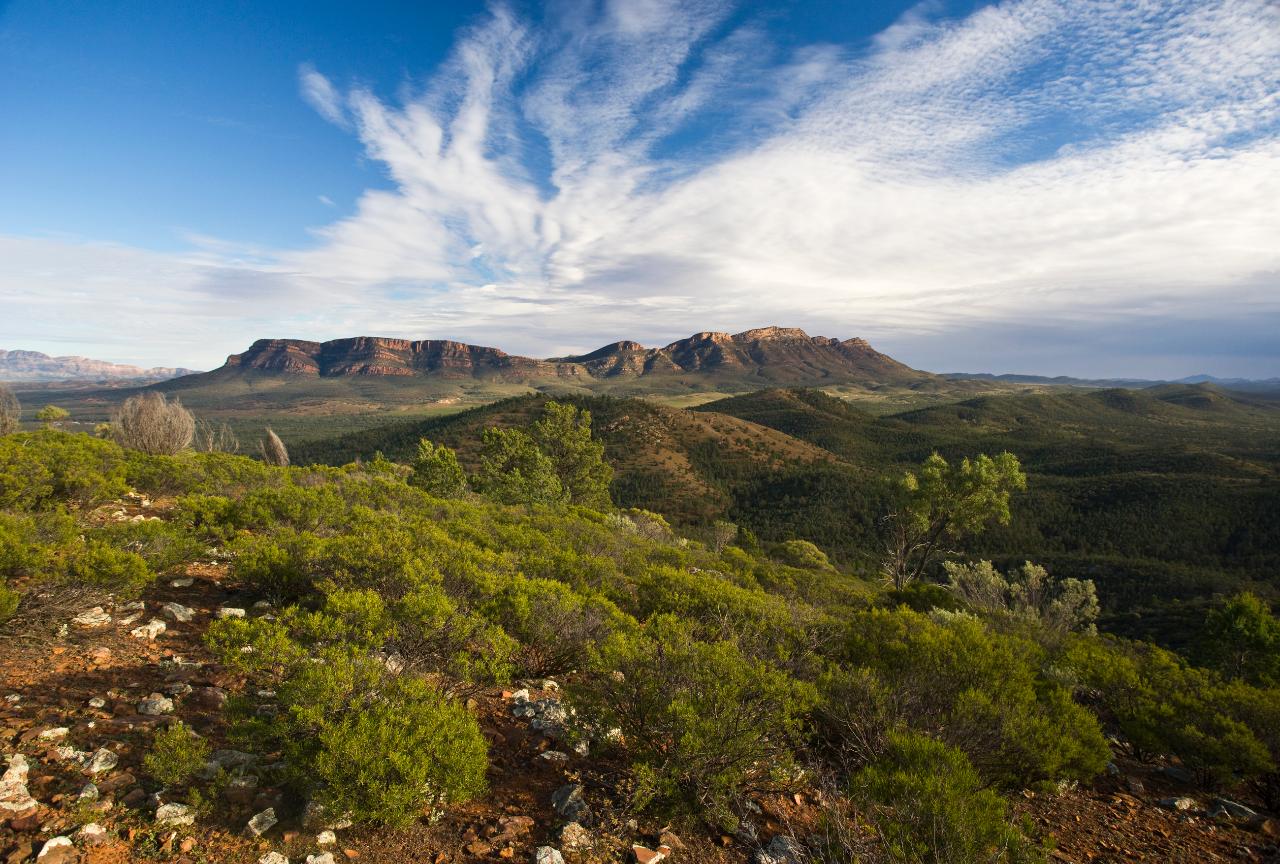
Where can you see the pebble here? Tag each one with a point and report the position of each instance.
(178, 612)
(92, 834)
(326, 838)
(230, 612)
(273, 858)
(185, 582)
(155, 705)
(102, 760)
(262, 822)
(97, 702)
(174, 814)
(95, 617)
(55, 734)
(322, 858)
(548, 855)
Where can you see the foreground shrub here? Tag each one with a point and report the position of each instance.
(555, 625)
(929, 806)
(437, 472)
(40, 470)
(176, 754)
(9, 600)
(703, 724)
(102, 565)
(802, 553)
(151, 423)
(412, 750)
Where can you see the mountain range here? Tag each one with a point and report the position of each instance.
(35, 367)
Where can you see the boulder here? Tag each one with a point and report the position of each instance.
(547, 855)
(150, 630)
(569, 803)
(781, 850)
(95, 617)
(175, 814)
(177, 612)
(262, 822)
(156, 704)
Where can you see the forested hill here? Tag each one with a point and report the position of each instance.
(1165, 497)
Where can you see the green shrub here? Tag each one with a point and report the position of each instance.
(282, 565)
(802, 553)
(702, 723)
(162, 545)
(437, 472)
(102, 565)
(514, 471)
(555, 625)
(9, 600)
(39, 470)
(929, 805)
(176, 754)
(410, 750)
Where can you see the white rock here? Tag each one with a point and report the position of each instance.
(92, 834)
(230, 612)
(102, 760)
(326, 838)
(185, 582)
(14, 796)
(150, 630)
(89, 792)
(55, 734)
(97, 702)
(554, 756)
(547, 855)
(155, 704)
(94, 617)
(261, 823)
(178, 612)
(273, 858)
(175, 814)
(322, 858)
(53, 844)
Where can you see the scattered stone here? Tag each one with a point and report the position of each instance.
(1134, 785)
(554, 756)
(13, 786)
(102, 760)
(575, 838)
(230, 612)
(20, 853)
(155, 705)
(781, 850)
(241, 790)
(1181, 802)
(174, 814)
(92, 834)
(55, 734)
(273, 858)
(569, 803)
(322, 858)
(150, 630)
(645, 855)
(520, 696)
(183, 582)
(316, 816)
(263, 604)
(89, 793)
(95, 617)
(262, 822)
(178, 612)
(547, 855)
(57, 850)
(1233, 809)
(178, 688)
(97, 702)
(326, 838)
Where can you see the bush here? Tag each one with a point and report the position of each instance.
(703, 724)
(555, 625)
(150, 423)
(9, 600)
(514, 471)
(930, 806)
(437, 472)
(160, 544)
(40, 470)
(176, 754)
(10, 410)
(802, 553)
(102, 565)
(411, 750)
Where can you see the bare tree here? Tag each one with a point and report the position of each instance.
(215, 439)
(273, 450)
(152, 424)
(10, 410)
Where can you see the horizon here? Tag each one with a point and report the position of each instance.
(1050, 188)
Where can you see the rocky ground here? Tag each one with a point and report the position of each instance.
(78, 711)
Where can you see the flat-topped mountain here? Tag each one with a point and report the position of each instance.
(34, 366)
(775, 355)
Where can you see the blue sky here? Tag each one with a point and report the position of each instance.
(1084, 187)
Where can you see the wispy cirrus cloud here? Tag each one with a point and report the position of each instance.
(645, 169)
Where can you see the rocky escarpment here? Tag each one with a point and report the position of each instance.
(775, 355)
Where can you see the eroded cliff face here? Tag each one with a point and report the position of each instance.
(779, 354)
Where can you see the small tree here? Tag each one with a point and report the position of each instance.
(273, 450)
(1241, 638)
(151, 423)
(10, 410)
(1027, 593)
(722, 534)
(437, 472)
(52, 415)
(514, 470)
(942, 503)
(564, 435)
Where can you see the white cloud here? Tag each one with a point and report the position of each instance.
(647, 170)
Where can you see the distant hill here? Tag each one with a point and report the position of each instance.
(1247, 385)
(35, 367)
